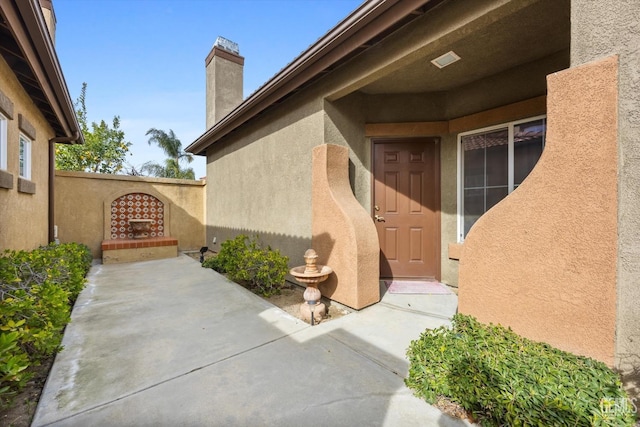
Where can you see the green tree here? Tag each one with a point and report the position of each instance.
(104, 150)
(172, 147)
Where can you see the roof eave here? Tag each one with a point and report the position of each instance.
(371, 18)
(30, 31)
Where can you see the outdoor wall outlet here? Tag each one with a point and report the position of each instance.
(214, 240)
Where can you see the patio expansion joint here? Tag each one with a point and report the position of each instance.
(165, 381)
(368, 357)
(418, 312)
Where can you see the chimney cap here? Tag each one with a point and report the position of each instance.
(227, 45)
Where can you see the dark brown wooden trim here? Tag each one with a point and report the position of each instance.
(26, 127)
(26, 186)
(221, 53)
(507, 113)
(406, 129)
(6, 106)
(6, 180)
(46, 4)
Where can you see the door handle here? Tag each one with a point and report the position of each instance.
(379, 218)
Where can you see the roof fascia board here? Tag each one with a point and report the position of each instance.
(34, 41)
(370, 19)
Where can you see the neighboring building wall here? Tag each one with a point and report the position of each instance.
(600, 29)
(80, 206)
(543, 260)
(23, 206)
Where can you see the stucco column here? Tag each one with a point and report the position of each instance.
(600, 29)
(343, 232)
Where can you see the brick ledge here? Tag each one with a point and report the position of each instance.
(151, 242)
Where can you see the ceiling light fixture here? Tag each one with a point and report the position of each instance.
(446, 59)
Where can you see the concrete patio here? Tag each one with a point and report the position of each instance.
(167, 342)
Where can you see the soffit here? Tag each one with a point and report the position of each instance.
(529, 34)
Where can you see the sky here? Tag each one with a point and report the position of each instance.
(143, 60)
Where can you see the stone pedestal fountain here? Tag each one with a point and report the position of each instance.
(312, 310)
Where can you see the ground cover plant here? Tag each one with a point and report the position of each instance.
(505, 379)
(37, 291)
(245, 260)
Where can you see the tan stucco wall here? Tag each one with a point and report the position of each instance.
(24, 217)
(80, 206)
(543, 261)
(264, 187)
(600, 29)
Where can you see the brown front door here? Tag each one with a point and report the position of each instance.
(407, 206)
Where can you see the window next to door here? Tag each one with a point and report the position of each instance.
(493, 162)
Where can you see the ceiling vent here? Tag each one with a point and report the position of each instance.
(446, 59)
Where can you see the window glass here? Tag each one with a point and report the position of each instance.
(25, 157)
(473, 207)
(528, 141)
(3, 142)
(494, 163)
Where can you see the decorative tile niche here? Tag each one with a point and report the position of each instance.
(138, 206)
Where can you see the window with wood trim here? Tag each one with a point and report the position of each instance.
(25, 157)
(493, 162)
(3, 142)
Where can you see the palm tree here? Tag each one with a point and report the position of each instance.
(172, 147)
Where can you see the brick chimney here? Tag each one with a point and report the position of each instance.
(49, 18)
(224, 67)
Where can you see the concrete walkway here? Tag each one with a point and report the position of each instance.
(168, 343)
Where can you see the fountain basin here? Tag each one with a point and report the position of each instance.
(311, 278)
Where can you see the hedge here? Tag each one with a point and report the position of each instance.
(37, 291)
(505, 379)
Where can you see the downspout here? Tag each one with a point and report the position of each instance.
(52, 175)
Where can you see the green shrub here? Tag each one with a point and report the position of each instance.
(230, 256)
(262, 269)
(505, 379)
(13, 365)
(37, 291)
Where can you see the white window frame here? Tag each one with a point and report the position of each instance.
(24, 154)
(510, 128)
(3, 141)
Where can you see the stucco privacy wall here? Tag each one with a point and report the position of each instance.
(600, 29)
(343, 234)
(543, 260)
(80, 200)
(24, 215)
